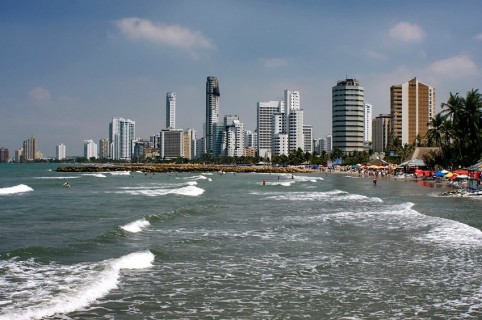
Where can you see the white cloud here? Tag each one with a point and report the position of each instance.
(174, 36)
(39, 94)
(455, 67)
(274, 62)
(407, 32)
(478, 37)
(375, 55)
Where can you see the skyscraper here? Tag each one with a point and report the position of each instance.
(30, 149)
(233, 137)
(103, 148)
(308, 136)
(171, 144)
(294, 120)
(367, 129)
(121, 135)
(412, 105)
(264, 122)
(4, 155)
(60, 152)
(90, 149)
(348, 113)
(381, 132)
(171, 110)
(212, 113)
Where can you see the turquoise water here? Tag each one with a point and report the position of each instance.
(210, 246)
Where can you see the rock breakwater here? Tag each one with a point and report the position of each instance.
(183, 168)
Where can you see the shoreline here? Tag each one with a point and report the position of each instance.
(151, 168)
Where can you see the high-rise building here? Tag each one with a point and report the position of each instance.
(60, 152)
(4, 155)
(294, 120)
(212, 114)
(381, 132)
(308, 136)
(139, 150)
(348, 110)
(264, 122)
(30, 150)
(367, 129)
(296, 139)
(171, 110)
(171, 144)
(200, 144)
(121, 136)
(90, 149)
(292, 101)
(19, 155)
(189, 144)
(233, 137)
(103, 148)
(250, 140)
(412, 106)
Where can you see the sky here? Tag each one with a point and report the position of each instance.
(68, 67)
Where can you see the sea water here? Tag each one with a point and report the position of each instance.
(132, 245)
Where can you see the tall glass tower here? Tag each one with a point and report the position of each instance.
(348, 115)
(171, 110)
(212, 113)
(121, 135)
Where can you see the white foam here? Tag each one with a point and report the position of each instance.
(189, 190)
(136, 260)
(16, 189)
(136, 226)
(192, 183)
(39, 291)
(57, 178)
(280, 183)
(120, 173)
(199, 177)
(97, 175)
(330, 196)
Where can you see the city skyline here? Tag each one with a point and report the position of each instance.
(80, 64)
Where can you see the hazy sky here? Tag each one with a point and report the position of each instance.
(68, 67)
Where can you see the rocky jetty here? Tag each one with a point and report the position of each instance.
(148, 168)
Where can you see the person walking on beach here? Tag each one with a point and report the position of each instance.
(374, 180)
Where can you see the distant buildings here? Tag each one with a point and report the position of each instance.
(264, 123)
(280, 128)
(121, 137)
(212, 114)
(29, 151)
(348, 114)
(171, 144)
(104, 148)
(171, 110)
(90, 149)
(233, 137)
(367, 126)
(381, 132)
(308, 138)
(4, 157)
(60, 152)
(412, 105)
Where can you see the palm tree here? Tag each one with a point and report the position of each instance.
(471, 123)
(434, 134)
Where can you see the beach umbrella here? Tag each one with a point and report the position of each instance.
(462, 176)
(439, 174)
(449, 175)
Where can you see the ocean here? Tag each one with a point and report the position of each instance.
(130, 245)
